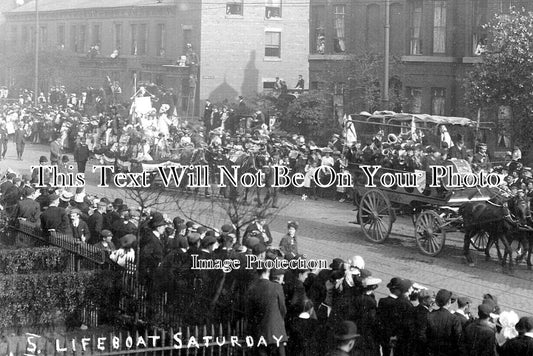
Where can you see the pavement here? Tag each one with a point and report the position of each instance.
(326, 232)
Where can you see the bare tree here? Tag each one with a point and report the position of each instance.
(217, 210)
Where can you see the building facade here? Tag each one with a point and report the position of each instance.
(246, 44)
(125, 41)
(432, 42)
(242, 45)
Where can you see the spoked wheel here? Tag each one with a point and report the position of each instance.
(429, 234)
(376, 216)
(480, 240)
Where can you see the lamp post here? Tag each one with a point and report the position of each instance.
(387, 54)
(36, 87)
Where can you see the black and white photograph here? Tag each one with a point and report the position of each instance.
(266, 177)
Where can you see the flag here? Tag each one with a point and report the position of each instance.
(414, 136)
(349, 132)
(342, 121)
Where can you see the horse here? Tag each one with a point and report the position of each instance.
(492, 218)
(246, 163)
(524, 234)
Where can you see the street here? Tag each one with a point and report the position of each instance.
(326, 232)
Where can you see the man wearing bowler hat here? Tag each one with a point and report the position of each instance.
(444, 330)
(345, 336)
(153, 251)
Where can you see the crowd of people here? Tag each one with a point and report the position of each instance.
(316, 312)
(332, 311)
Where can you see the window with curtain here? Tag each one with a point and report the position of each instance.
(374, 24)
(14, 35)
(43, 34)
(134, 43)
(273, 44)
(415, 99)
(438, 101)
(187, 37)
(479, 18)
(142, 39)
(74, 38)
(415, 29)
(397, 26)
(318, 25)
(81, 40)
(339, 40)
(234, 8)
(439, 27)
(61, 36)
(118, 36)
(161, 40)
(32, 36)
(273, 9)
(96, 35)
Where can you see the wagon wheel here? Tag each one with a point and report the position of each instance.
(376, 216)
(429, 234)
(480, 240)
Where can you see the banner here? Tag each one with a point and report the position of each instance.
(143, 105)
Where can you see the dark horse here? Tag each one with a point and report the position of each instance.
(524, 234)
(245, 163)
(492, 218)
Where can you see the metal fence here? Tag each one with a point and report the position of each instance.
(82, 255)
(140, 302)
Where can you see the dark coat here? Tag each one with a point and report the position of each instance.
(462, 319)
(405, 316)
(96, 225)
(303, 337)
(419, 339)
(288, 246)
(81, 153)
(152, 253)
(28, 209)
(55, 218)
(521, 345)
(366, 321)
(265, 308)
(480, 339)
(387, 318)
(81, 229)
(444, 333)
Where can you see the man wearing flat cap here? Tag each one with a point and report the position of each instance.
(345, 337)
(522, 344)
(444, 331)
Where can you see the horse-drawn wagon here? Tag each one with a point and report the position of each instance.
(390, 192)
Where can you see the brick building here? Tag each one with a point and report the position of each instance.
(246, 44)
(242, 45)
(435, 41)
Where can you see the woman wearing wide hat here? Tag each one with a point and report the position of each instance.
(288, 244)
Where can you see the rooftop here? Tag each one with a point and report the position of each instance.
(62, 5)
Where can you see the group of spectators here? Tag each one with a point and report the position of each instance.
(315, 312)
